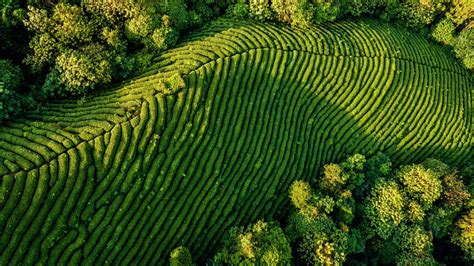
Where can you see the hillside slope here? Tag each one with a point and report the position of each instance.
(130, 173)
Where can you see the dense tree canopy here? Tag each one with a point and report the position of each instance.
(392, 216)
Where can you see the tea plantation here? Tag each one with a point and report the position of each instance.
(213, 134)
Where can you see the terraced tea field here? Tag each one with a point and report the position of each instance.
(132, 172)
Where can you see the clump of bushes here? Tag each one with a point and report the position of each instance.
(366, 212)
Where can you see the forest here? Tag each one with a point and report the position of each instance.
(236, 132)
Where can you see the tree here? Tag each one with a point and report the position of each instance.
(181, 256)
(460, 12)
(463, 234)
(260, 243)
(443, 32)
(10, 79)
(464, 46)
(420, 184)
(384, 208)
(260, 10)
(300, 193)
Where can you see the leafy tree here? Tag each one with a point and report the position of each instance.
(325, 10)
(420, 184)
(463, 234)
(300, 193)
(443, 32)
(333, 179)
(238, 10)
(181, 256)
(464, 46)
(260, 10)
(384, 208)
(460, 11)
(260, 243)
(10, 79)
(82, 69)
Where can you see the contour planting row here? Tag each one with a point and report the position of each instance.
(130, 173)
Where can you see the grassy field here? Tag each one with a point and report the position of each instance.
(128, 174)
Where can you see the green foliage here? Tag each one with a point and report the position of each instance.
(455, 193)
(325, 10)
(441, 220)
(79, 70)
(81, 47)
(260, 10)
(460, 11)
(420, 184)
(417, 13)
(464, 47)
(333, 179)
(239, 11)
(163, 38)
(443, 32)
(10, 79)
(181, 256)
(324, 248)
(463, 234)
(260, 243)
(384, 208)
(416, 241)
(300, 193)
(394, 221)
